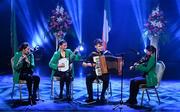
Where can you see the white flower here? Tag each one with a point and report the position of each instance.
(156, 11)
(59, 19)
(57, 9)
(61, 10)
(153, 23)
(159, 24)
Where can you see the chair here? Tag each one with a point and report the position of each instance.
(56, 78)
(20, 83)
(160, 68)
(98, 83)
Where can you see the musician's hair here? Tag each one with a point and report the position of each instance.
(98, 41)
(61, 42)
(24, 45)
(151, 48)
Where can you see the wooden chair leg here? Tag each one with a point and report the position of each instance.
(157, 95)
(142, 97)
(12, 94)
(147, 94)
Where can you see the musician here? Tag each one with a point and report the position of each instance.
(23, 70)
(147, 65)
(91, 75)
(67, 76)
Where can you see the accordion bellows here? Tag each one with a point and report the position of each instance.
(108, 64)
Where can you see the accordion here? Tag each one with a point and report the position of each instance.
(108, 64)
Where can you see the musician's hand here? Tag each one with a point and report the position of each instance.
(76, 51)
(21, 59)
(136, 64)
(91, 64)
(88, 64)
(26, 59)
(131, 67)
(61, 65)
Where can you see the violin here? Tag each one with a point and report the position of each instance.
(144, 59)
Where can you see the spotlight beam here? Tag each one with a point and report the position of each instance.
(75, 11)
(139, 8)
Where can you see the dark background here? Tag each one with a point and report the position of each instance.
(124, 35)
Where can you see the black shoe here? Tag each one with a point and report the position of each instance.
(103, 100)
(60, 96)
(68, 98)
(35, 97)
(34, 102)
(31, 100)
(131, 102)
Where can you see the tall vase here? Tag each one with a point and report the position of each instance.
(154, 42)
(58, 38)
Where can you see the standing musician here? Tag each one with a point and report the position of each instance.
(147, 65)
(91, 74)
(23, 70)
(58, 68)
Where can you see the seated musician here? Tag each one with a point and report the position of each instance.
(147, 65)
(65, 76)
(23, 70)
(91, 74)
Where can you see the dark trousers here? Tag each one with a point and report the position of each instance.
(134, 87)
(32, 81)
(89, 82)
(65, 77)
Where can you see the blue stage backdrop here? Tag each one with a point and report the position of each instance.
(128, 17)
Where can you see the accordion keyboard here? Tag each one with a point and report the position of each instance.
(98, 71)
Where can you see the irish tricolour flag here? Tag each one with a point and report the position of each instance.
(106, 23)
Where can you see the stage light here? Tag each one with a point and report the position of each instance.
(140, 10)
(75, 11)
(174, 29)
(145, 37)
(33, 27)
(178, 6)
(33, 44)
(144, 50)
(81, 48)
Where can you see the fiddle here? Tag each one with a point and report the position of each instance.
(141, 61)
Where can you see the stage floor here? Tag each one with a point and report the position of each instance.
(169, 93)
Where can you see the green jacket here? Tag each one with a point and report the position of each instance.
(53, 64)
(18, 65)
(151, 78)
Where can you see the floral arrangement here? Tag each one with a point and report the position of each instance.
(156, 23)
(59, 22)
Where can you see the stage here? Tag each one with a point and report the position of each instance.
(168, 92)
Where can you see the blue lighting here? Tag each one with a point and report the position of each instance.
(81, 48)
(144, 50)
(178, 6)
(75, 11)
(140, 11)
(33, 26)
